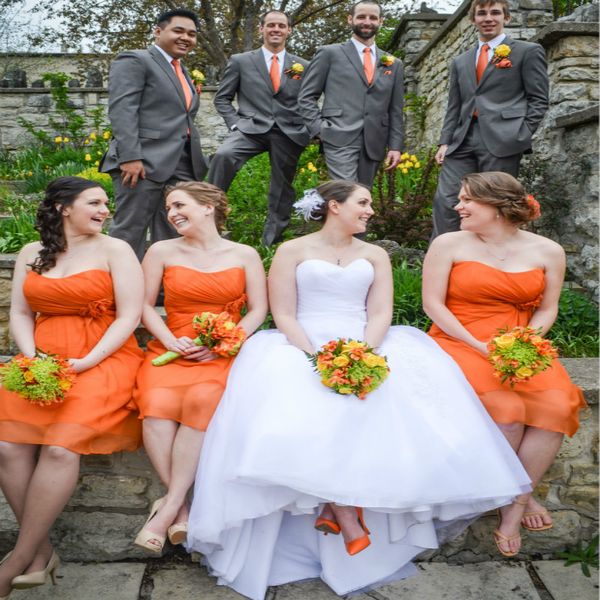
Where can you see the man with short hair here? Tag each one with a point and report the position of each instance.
(152, 103)
(266, 84)
(498, 95)
(363, 93)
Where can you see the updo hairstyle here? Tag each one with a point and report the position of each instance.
(503, 192)
(336, 189)
(207, 195)
(60, 192)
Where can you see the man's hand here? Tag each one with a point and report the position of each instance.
(392, 159)
(441, 153)
(132, 172)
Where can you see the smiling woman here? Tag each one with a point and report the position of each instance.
(201, 273)
(77, 294)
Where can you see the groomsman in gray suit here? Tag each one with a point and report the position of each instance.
(152, 103)
(498, 96)
(363, 93)
(266, 84)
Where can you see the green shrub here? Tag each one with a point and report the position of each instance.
(18, 228)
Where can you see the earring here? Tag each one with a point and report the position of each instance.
(497, 214)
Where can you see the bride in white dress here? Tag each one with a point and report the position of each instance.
(420, 454)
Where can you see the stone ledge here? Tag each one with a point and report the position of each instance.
(584, 373)
(580, 117)
(559, 29)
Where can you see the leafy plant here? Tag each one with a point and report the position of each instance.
(575, 331)
(402, 200)
(417, 106)
(408, 308)
(18, 228)
(586, 556)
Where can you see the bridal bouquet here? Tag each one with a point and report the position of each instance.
(43, 379)
(519, 354)
(350, 367)
(215, 331)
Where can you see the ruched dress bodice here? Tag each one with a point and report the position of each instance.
(96, 417)
(485, 300)
(186, 391)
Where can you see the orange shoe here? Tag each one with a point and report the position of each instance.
(359, 544)
(327, 526)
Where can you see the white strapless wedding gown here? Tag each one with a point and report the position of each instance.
(420, 454)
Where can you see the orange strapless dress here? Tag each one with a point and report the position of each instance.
(185, 391)
(485, 299)
(96, 416)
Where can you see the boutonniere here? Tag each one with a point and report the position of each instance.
(500, 58)
(198, 80)
(295, 71)
(387, 60)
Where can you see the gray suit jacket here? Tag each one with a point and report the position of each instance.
(259, 107)
(351, 105)
(150, 122)
(510, 102)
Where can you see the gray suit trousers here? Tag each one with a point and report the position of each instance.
(143, 207)
(350, 162)
(238, 148)
(470, 157)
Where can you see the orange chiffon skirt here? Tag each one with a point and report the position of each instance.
(186, 391)
(96, 415)
(485, 299)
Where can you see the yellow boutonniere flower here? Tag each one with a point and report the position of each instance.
(198, 77)
(502, 51)
(297, 68)
(387, 60)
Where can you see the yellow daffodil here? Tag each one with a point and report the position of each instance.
(106, 135)
(404, 171)
(408, 164)
(88, 157)
(404, 156)
(413, 158)
(58, 139)
(86, 142)
(93, 136)
(65, 140)
(417, 165)
(97, 162)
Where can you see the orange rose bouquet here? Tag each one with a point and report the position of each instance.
(43, 379)
(215, 331)
(519, 354)
(350, 367)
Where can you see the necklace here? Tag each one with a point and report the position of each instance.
(498, 258)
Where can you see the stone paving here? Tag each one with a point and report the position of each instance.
(176, 580)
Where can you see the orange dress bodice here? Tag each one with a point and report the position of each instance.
(187, 391)
(485, 299)
(96, 415)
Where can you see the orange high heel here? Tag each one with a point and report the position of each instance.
(327, 526)
(359, 544)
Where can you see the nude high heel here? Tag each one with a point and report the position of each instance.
(145, 536)
(30, 580)
(359, 544)
(177, 533)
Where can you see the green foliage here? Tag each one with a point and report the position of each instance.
(575, 332)
(566, 7)
(18, 228)
(402, 200)
(417, 106)
(408, 308)
(249, 191)
(586, 556)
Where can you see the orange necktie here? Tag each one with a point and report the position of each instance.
(482, 62)
(274, 73)
(187, 92)
(368, 65)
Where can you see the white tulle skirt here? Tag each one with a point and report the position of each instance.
(420, 454)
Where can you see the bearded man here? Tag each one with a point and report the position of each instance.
(361, 116)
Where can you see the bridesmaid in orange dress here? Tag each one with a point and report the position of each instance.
(77, 293)
(200, 271)
(493, 275)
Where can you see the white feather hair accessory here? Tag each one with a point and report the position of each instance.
(310, 202)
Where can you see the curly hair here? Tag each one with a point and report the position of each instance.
(207, 194)
(60, 192)
(503, 192)
(336, 189)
